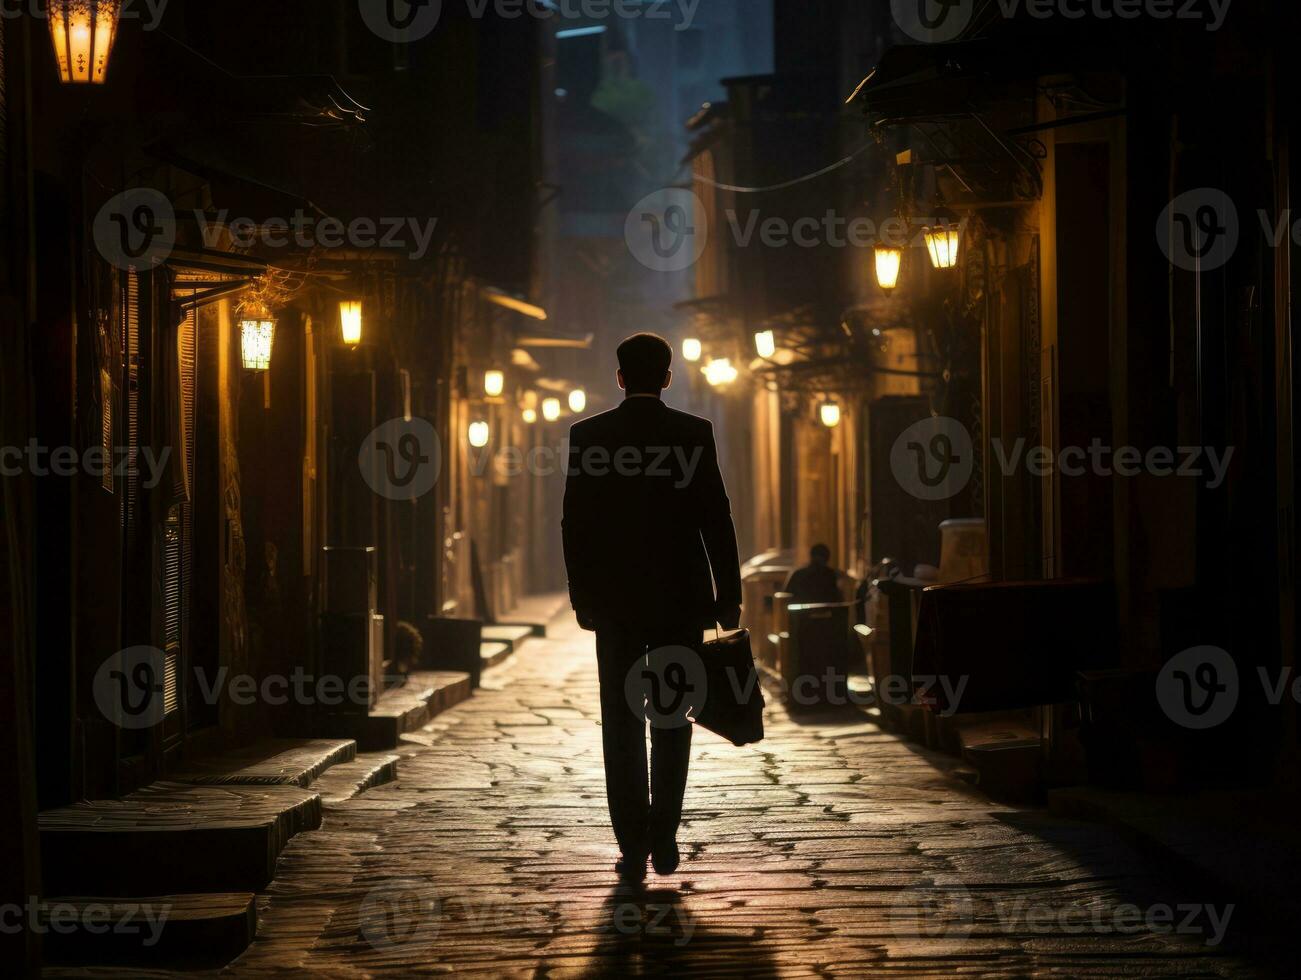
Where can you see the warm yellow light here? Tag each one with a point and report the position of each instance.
(765, 342)
(942, 244)
(719, 372)
(830, 414)
(479, 433)
(887, 266)
(350, 321)
(494, 383)
(577, 401)
(692, 349)
(551, 409)
(83, 32)
(256, 338)
(530, 416)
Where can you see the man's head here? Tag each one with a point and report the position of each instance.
(644, 360)
(820, 554)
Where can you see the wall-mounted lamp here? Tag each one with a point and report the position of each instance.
(83, 32)
(479, 434)
(350, 321)
(765, 342)
(256, 336)
(719, 372)
(942, 239)
(494, 383)
(829, 413)
(692, 349)
(888, 261)
(530, 415)
(577, 401)
(551, 409)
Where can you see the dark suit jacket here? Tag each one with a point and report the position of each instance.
(647, 519)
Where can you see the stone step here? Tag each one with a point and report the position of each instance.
(173, 838)
(401, 709)
(350, 779)
(493, 653)
(536, 611)
(193, 931)
(514, 636)
(268, 762)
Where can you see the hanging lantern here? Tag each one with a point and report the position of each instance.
(719, 372)
(942, 239)
(494, 383)
(829, 412)
(765, 342)
(350, 321)
(577, 401)
(257, 334)
(888, 261)
(530, 415)
(479, 434)
(83, 32)
(692, 349)
(551, 409)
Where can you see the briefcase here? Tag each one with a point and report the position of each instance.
(734, 702)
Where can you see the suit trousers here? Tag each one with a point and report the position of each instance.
(643, 813)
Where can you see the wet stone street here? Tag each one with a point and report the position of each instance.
(831, 849)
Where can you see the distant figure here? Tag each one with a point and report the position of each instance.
(816, 581)
(651, 554)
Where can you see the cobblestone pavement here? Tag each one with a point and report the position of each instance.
(830, 849)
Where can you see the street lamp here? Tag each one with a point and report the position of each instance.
(942, 239)
(577, 401)
(350, 321)
(829, 412)
(83, 32)
(888, 261)
(719, 372)
(691, 350)
(479, 434)
(551, 409)
(494, 383)
(530, 415)
(765, 342)
(257, 334)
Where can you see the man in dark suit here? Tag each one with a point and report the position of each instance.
(651, 555)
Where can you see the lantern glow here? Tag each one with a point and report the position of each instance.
(719, 372)
(530, 415)
(83, 32)
(888, 261)
(494, 383)
(577, 401)
(765, 342)
(942, 242)
(257, 334)
(692, 349)
(479, 434)
(350, 321)
(551, 409)
(829, 412)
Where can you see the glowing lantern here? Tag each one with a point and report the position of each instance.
(257, 334)
(494, 383)
(887, 266)
(577, 400)
(479, 433)
(942, 240)
(551, 409)
(765, 342)
(83, 32)
(350, 321)
(830, 414)
(719, 372)
(530, 416)
(691, 349)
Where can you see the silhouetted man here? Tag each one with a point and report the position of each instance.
(648, 539)
(816, 581)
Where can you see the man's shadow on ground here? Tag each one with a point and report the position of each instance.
(649, 930)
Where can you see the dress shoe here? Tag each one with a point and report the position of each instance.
(666, 858)
(631, 869)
